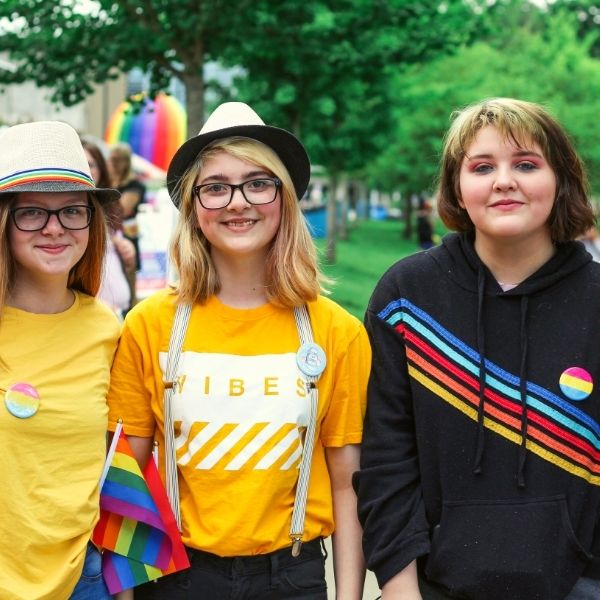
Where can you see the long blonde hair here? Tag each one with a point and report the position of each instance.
(292, 272)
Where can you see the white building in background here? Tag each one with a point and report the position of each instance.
(20, 103)
(24, 102)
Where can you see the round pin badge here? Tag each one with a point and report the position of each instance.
(576, 383)
(311, 359)
(22, 400)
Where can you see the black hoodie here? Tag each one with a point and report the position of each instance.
(499, 503)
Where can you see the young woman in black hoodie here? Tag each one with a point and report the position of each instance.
(480, 468)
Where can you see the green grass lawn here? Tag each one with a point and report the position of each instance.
(371, 248)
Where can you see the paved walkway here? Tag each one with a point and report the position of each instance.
(371, 588)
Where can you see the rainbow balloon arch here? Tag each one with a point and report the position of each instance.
(154, 130)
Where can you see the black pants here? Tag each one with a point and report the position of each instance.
(274, 576)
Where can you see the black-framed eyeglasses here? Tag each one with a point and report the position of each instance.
(35, 218)
(213, 196)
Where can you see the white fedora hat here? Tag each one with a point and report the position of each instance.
(46, 156)
(236, 119)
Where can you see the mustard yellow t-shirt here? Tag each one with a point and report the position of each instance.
(241, 412)
(52, 461)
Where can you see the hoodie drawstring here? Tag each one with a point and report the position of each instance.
(477, 470)
(480, 447)
(523, 394)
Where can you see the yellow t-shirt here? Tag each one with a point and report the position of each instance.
(52, 461)
(240, 414)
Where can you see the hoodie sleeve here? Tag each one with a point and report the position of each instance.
(390, 505)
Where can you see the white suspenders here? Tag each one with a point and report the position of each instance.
(182, 318)
(311, 361)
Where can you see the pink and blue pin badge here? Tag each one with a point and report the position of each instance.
(311, 359)
(576, 383)
(22, 400)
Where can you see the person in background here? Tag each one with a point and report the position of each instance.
(591, 241)
(425, 224)
(56, 347)
(120, 256)
(268, 406)
(480, 470)
(133, 193)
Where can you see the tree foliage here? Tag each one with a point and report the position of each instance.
(68, 49)
(587, 13)
(322, 69)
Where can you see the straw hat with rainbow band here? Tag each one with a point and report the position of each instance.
(46, 156)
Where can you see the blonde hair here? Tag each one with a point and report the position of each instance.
(521, 123)
(292, 272)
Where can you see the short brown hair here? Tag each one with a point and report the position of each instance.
(520, 122)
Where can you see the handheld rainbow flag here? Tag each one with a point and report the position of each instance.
(137, 529)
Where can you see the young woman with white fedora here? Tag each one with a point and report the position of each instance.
(56, 347)
(251, 381)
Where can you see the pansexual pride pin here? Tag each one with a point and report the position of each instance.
(576, 383)
(22, 400)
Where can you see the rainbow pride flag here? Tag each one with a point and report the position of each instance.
(137, 529)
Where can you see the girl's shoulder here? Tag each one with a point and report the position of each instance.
(91, 313)
(163, 300)
(95, 307)
(155, 312)
(326, 314)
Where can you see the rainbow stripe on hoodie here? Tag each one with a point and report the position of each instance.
(558, 431)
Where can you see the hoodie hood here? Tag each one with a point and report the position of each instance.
(456, 249)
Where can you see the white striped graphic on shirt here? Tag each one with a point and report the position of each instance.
(239, 412)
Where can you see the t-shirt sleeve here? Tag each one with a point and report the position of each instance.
(134, 381)
(343, 422)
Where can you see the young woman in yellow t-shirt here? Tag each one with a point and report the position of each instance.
(57, 342)
(268, 395)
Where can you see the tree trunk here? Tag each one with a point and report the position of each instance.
(362, 201)
(344, 206)
(408, 228)
(331, 220)
(194, 94)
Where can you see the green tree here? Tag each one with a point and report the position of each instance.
(60, 46)
(587, 13)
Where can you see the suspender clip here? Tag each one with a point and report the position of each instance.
(296, 546)
(176, 383)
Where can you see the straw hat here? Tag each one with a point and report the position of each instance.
(236, 119)
(46, 156)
